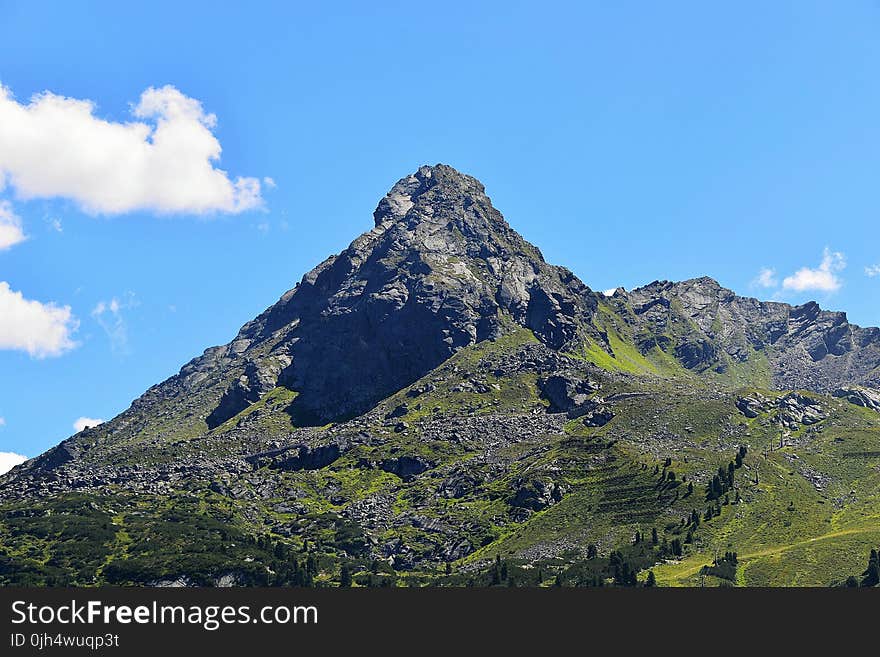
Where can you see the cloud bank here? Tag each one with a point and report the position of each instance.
(40, 329)
(55, 146)
(9, 460)
(822, 279)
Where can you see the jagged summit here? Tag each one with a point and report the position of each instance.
(421, 190)
(438, 205)
(708, 326)
(440, 270)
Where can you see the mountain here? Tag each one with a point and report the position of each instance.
(438, 396)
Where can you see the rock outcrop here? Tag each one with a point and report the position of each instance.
(860, 397)
(709, 328)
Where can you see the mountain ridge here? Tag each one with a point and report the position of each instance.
(561, 317)
(437, 390)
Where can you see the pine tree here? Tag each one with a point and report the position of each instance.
(592, 551)
(676, 547)
(651, 582)
(344, 577)
(654, 536)
(716, 487)
(872, 575)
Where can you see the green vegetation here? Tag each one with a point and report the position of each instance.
(679, 488)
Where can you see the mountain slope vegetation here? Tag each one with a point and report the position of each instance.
(437, 405)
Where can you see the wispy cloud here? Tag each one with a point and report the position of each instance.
(766, 278)
(111, 318)
(11, 232)
(823, 278)
(872, 271)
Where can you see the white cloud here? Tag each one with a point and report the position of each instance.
(269, 183)
(11, 232)
(55, 146)
(822, 279)
(872, 271)
(110, 317)
(2, 421)
(9, 460)
(86, 422)
(766, 278)
(40, 329)
(55, 222)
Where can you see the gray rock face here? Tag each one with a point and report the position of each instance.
(860, 397)
(709, 327)
(433, 276)
(568, 394)
(788, 411)
(309, 458)
(753, 405)
(537, 494)
(406, 467)
(598, 417)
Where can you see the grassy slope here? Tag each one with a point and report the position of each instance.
(785, 530)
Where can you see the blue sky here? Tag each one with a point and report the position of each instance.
(631, 141)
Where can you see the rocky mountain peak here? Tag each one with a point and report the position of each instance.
(438, 211)
(415, 195)
(440, 270)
